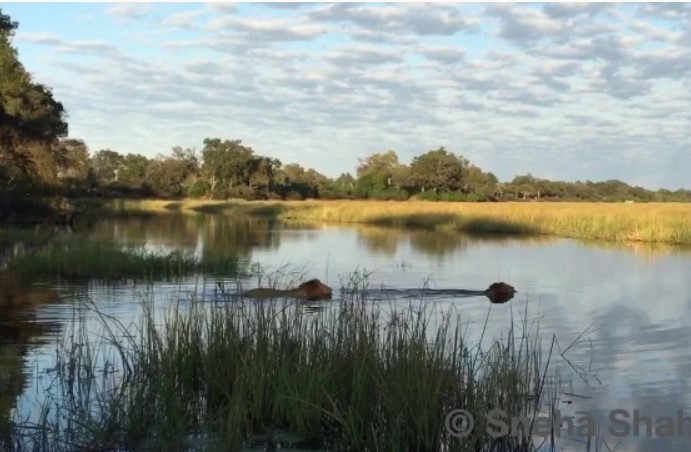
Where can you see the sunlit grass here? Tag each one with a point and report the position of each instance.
(637, 222)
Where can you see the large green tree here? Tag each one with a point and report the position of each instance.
(31, 120)
(226, 165)
(438, 170)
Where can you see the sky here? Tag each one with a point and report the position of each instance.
(568, 91)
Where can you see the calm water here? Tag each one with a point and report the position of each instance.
(630, 307)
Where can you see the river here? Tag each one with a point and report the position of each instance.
(627, 307)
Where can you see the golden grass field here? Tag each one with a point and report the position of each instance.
(635, 222)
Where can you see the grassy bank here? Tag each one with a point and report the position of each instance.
(649, 222)
(354, 377)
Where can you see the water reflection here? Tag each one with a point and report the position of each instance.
(20, 332)
(388, 240)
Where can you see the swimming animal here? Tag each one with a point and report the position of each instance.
(309, 290)
(499, 292)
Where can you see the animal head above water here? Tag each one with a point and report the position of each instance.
(315, 290)
(500, 292)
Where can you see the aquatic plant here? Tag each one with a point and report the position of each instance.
(113, 262)
(352, 376)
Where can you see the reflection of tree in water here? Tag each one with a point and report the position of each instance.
(225, 235)
(19, 332)
(385, 240)
(238, 236)
(438, 243)
(379, 240)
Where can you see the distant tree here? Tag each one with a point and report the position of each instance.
(165, 176)
(132, 173)
(263, 174)
(226, 165)
(438, 169)
(106, 165)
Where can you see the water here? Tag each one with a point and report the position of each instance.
(627, 308)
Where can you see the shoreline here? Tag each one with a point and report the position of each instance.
(618, 222)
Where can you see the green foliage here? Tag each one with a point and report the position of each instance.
(31, 121)
(438, 169)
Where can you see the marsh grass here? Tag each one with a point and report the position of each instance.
(638, 222)
(222, 376)
(112, 262)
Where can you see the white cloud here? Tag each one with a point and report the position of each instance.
(129, 12)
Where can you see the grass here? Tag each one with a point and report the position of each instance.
(638, 222)
(227, 376)
(109, 261)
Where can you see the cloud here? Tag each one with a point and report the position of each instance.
(85, 47)
(286, 5)
(129, 12)
(266, 30)
(222, 8)
(186, 20)
(427, 19)
(442, 54)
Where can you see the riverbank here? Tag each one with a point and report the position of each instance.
(620, 222)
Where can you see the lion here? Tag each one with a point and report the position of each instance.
(499, 292)
(309, 290)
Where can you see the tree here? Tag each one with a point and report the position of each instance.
(438, 169)
(106, 165)
(132, 171)
(378, 163)
(73, 166)
(165, 176)
(226, 164)
(263, 174)
(31, 120)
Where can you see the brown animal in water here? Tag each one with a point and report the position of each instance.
(309, 290)
(500, 292)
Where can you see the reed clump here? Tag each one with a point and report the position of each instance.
(109, 261)
(227, 376)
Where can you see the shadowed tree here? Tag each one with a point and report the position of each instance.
(106, 165)
(31, 120)
(74, 168)
(132, 172)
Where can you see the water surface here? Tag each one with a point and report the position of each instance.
(632, 302)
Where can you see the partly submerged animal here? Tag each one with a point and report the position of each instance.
(499, 292)
(309, 290)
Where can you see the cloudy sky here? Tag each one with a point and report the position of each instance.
(566, 91)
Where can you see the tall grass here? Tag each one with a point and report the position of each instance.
(110, 261)
(227, 376)
(638, 222)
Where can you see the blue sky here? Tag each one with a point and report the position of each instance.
(569, 91)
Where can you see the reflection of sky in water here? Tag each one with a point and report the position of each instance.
(640, 305)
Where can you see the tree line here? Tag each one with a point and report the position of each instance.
(37, 158)
(229, 169)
